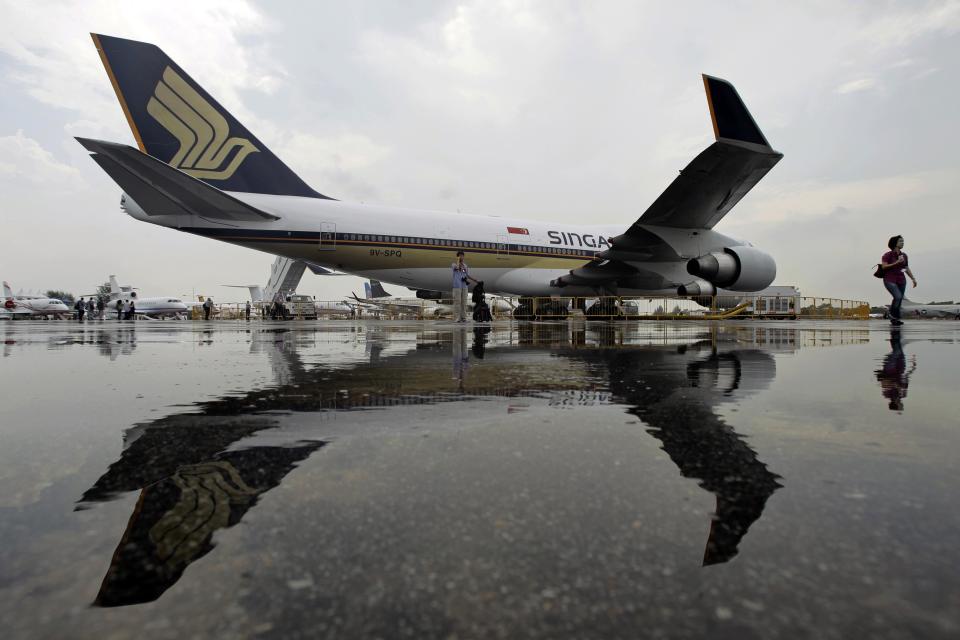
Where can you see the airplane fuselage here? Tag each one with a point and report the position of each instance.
(932, 310)
(153, 306)
(416, 249)
(38, 307)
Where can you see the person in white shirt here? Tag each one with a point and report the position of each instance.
(461, 278)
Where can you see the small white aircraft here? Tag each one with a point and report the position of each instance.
(930, 310)
(30, 306)
(152, 307)
(427, 304)
(200, 171)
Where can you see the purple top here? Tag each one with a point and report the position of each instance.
(894, 274)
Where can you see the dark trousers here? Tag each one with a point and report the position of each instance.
(206, 313)
(896, 290)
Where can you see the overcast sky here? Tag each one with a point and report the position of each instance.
(549, 110)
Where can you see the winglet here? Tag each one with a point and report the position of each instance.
(730, 117)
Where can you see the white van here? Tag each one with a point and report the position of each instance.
(300, 306)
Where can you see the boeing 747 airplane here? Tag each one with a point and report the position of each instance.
(198, 170)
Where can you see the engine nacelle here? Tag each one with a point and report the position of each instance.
(697, 288)
(425, 294)
(740, 268)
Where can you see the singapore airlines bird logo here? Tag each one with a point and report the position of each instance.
(206, 150)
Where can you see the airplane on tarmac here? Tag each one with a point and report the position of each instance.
(153, 307)
(931, 310)
(323, 308)
(379, 298)
(26, 306)
(200, 171)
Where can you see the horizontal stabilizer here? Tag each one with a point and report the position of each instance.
(159, 189)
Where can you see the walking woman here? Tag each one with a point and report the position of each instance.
(894, 263)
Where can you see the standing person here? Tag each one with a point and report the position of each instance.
(100, 308)
(246, 310)
(119, 309)
(207, 308)
(132, 310)
(91, 309)
(81, 308)
(461, 278)
(894, 263)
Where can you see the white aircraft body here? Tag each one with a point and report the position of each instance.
(930, 310)
(156, 306)
(200, 171)
(30, 306)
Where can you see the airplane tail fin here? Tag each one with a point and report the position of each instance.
(376, 290)
(176, 121)
(114, 287)
(7, 291)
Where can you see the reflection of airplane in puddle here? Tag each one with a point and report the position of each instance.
(201, 471)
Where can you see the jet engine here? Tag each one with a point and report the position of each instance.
(738, 268)
(697, 287)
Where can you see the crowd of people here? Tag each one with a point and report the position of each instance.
(94, 308)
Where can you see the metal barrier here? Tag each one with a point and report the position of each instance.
(691, 308)
(604, 308)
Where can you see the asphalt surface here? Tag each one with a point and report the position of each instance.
(177, 479)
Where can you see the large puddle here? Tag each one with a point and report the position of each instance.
(426, 480)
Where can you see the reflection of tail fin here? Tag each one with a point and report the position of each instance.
(376, 290)
(7, 291)
(174, 120)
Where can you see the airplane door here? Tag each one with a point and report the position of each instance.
(503, 248)
(328, 236)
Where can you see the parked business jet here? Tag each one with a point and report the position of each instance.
(16, 306)
(200, 171)
(931, 310)
(154, 307)
(426, 304)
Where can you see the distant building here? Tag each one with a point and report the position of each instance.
(775, 300)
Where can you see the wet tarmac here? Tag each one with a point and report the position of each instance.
(408, 479)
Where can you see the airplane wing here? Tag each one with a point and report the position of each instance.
(709, 187)
(159, 189)
(704, 192)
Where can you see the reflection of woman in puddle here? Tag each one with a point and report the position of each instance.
(893, 376)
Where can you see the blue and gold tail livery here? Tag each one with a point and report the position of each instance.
(174, 120)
